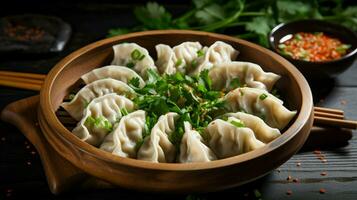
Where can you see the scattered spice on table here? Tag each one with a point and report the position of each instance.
(295, 180)
(343, 102)
(324, 161)
(289, 192)
(24, 33)
(323, 173)
(288, 178)
(314, 47)
(322, 191)
(278, 170)
(317, 152)
(298, 164)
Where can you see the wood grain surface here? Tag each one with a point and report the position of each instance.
(22, 174)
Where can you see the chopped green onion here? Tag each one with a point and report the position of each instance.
(85, 103)
(235, 83)
(130, 64)
(263, 96)
(257, 194)
(237, 123)
(135, 81)
(178, 62)
(194, 64)
(200, 53)
(137, 55)
(282, 46)
(124, 111)
(298, 37)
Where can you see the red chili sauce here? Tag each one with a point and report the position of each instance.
(314, 47)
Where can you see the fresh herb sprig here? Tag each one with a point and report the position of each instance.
(253, 19)
(192, 97)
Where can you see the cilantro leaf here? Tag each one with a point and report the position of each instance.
(153, 16)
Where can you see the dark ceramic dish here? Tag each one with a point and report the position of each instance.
(317, 69)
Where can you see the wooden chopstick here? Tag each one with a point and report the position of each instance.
(328, 110)
(21, 80)
(328, 115)
(341, 123)
(21, 85)
(23, 75)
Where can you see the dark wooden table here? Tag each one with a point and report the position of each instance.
(21, 172)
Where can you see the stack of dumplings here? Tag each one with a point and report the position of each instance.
(108, 118)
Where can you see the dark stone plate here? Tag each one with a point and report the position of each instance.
(33, 34)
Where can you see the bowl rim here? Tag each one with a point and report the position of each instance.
(272, 45)
(300, 121)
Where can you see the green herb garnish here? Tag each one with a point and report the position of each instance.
(263, 96)
(135, 81)
(234, 83)
(178, 62)
(99, 122)
(200, 53)
(236, 122)
(192, 97)
(137, 55)
(130, 64)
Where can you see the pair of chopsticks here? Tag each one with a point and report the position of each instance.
(30, 81)
(22, 80)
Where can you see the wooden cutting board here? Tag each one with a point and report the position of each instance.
(63, 176)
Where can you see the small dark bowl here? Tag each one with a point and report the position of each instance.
(317, 69)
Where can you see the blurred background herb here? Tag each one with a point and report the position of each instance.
(251, 20)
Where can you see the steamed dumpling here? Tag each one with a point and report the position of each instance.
(112, 71)
(227, 140)
(219, 52)
(125, 135)
(261, 130)
(100, 116)
(93, 90)
(176, 59)
(222, 74)
(157, 146)
(192, 147)
(260, 103)
(133, 56)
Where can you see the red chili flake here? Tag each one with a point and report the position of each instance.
(322, 191)
(289, 192)
(323, 173)
(317, 152)
(343, 102)
(298, 164)
(295, 180)
(288, 178)
(3, 139)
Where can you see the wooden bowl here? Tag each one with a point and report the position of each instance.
(173, 177)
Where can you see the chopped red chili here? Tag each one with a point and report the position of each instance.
(315, 47)
(322, 191)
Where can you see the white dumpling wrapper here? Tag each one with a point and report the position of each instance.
(93, 90)
(192, 147)
(167, 57)
(227, 140)
(218, 52)
(271, 109)
(126, 134)
(122, 56)
(157, 146)
(119, 73)
(108, 106)
(222, 74)
(261, 130)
